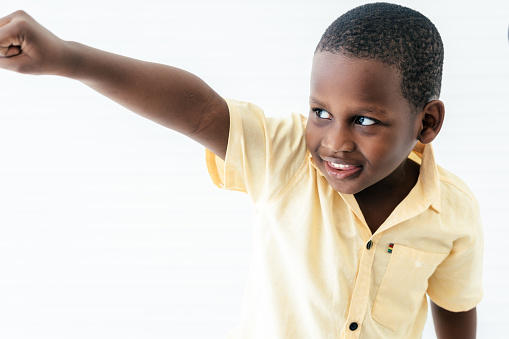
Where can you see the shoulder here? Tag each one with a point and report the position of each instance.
(250, 115)
(281, 137)
(264, 152)
(460, 211)
(451, 184)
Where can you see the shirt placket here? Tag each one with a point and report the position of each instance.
(360, 295)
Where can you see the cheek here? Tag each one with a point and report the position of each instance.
(310, 136)
(388, 151)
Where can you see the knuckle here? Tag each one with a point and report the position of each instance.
(20, 13)
(21, 19)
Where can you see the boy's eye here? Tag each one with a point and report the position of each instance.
(364, 121)
(322, 114)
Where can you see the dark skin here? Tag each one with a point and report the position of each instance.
(454, 325)
(361, 130)
(378, 201)
(167, 95)
(377, 206)
(365, 141)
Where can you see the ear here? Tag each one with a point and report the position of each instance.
(432, 119)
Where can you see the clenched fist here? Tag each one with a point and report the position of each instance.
(28, 47)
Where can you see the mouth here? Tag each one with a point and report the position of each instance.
(342, 170)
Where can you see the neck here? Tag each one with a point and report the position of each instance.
(379, 200)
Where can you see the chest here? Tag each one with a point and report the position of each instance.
(321, 254)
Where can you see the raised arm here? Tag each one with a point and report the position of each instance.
(167, 95)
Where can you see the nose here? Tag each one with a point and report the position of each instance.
(338, 139)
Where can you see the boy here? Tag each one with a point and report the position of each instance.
(355, 222)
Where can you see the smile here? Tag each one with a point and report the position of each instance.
(340, 166)
(342, 171)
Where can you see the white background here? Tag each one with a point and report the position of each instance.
(109, 225)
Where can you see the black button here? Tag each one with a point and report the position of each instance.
(369, 245)
(353, 326)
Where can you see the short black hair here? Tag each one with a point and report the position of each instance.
(395, 35)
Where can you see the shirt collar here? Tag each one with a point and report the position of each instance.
(429, 178)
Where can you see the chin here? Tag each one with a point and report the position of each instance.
(346, 190)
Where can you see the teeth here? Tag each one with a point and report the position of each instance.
(340, 166)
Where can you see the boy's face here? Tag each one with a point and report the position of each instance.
(360, 128)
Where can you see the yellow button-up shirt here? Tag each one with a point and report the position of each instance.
(317, 270)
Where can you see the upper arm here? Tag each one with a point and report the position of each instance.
(212, 128)
(449, 325)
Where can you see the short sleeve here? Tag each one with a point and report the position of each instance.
(263, 153)
(456, 284)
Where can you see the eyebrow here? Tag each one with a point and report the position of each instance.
(315, 101)
(373, 110)
(367, 109)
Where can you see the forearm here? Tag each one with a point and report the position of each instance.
(454, 325)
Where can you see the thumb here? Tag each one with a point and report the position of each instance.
(10, 51)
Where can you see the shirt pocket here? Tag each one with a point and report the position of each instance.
(404, 285)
